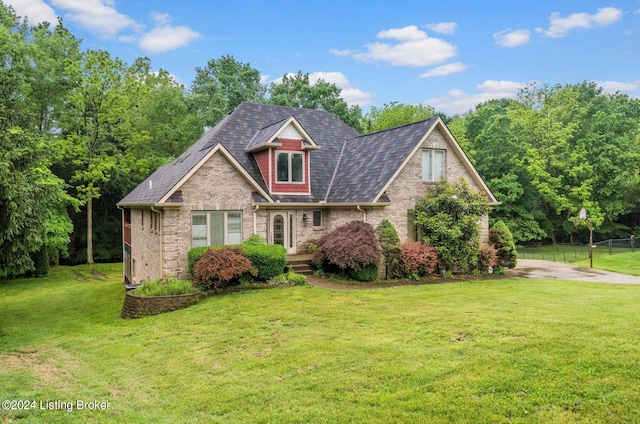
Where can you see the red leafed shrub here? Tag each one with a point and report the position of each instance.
(218, 268)
(417, 258)
(350, 246)
(487, 258)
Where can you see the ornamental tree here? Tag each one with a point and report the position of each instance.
(448, 219)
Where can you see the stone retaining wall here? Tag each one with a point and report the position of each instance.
(142, 306)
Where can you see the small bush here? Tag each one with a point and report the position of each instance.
(366, 273)
(417, 259)
(254, 240)
(487, 258)
(289, 278)
(268, 259)
(167, 286)
(501, 238)
(219, 268)
(350, 246)
(388, 236)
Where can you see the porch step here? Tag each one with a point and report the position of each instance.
(300, 264)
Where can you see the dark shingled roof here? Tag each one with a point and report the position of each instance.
(354, 167)
(264, 134)
(369, 161)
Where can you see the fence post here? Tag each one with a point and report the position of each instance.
(609, 246)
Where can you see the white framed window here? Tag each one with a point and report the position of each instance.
(433, 164)
(216, 228)
(290, 167)
(317, 218)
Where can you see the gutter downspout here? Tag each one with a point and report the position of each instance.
(364, 213)
(159, 212)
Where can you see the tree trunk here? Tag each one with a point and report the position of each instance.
(90, 231)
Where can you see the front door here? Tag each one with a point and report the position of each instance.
(282, 229)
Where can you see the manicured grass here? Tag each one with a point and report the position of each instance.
(626, 263)
(507, 351)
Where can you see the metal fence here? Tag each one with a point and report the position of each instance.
(569, 253)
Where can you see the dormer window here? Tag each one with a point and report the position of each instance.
(290, 167)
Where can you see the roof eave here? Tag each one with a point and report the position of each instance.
(169, 205)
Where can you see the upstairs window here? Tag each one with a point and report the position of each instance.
(289, 167)
(432, 164)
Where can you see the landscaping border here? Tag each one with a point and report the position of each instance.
(143, 306)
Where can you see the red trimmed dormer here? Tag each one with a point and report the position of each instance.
(282, 152)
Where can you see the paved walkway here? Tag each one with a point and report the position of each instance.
(531, 268)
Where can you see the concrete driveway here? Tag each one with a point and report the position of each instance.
(530, 268)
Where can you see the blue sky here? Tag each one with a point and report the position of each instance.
(449, 55)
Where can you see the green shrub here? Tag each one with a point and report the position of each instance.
(254, 240)
(366, 273)
(218, 268)
(289, 278)
(166, 286)
(447, 217)
(501, 238)
(388, 236)
(195, 254)
(40, 262)
(268, 259)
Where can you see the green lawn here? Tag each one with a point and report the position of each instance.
(627, 263)
(496, 351)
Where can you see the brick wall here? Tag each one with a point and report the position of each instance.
(408, 187)
(145, 246)
(216, 186)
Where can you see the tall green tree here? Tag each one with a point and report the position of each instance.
(221, 86)
(558, 168)
(55, 72)
(297, 91)
(27, 187)
(97, 107)
(395, 114)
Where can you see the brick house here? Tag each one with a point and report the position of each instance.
(289, 175)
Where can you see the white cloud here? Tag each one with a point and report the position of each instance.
(165, 37)
(448, 69)
(97, 16)
(617, 86)
(350, 94)
(36, 10)
(457, 101)
(512, 38)
(560, 27)
(443, 27)
(410, 46)
(264, 79)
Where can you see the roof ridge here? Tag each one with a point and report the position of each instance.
(399, 126)
(335, 170)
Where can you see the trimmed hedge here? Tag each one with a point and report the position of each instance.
(268, 259)
(366, 273)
